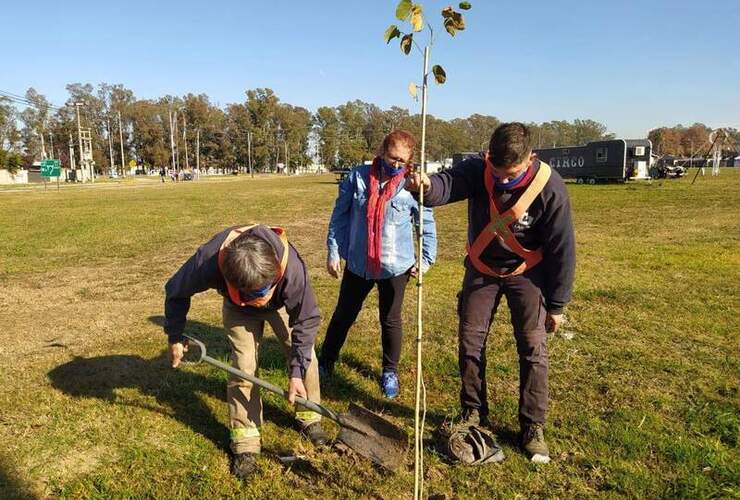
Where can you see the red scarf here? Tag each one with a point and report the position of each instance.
(376, 213)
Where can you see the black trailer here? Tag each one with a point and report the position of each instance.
(618, 160)
(459, 157)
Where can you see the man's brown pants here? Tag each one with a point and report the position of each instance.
(245, 406)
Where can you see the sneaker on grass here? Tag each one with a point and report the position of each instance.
(390, 384)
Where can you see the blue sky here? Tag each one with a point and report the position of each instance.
(632, 65)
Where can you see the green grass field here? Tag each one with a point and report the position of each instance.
(644, 376)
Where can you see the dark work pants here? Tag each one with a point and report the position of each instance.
(477, 304)
(352, 294)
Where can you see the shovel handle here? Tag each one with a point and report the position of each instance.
(258, 381)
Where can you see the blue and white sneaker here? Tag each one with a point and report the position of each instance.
(390, 384)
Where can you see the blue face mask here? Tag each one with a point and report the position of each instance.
(257, 294)
(390, 170)
(512, 182)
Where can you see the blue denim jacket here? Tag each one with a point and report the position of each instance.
(347, 236)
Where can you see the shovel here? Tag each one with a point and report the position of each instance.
(368, 434)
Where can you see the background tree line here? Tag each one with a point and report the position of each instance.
(340, 136)
(688, 141)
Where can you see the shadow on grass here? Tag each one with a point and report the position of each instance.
(11, 487)
(340, 387)
(327, 182)
(100, 377)
(177, 390)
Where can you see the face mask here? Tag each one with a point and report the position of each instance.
(258, 293)
(513, 181)
(390, 170)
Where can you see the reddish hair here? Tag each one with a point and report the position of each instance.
(399, 137)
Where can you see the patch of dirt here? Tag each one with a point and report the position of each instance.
(60, 469)
(74, 310)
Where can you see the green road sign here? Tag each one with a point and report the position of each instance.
(50, 168)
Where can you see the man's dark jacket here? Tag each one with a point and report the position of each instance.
(293, 292)
(547, 224)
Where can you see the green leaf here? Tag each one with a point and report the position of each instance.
(465, 5)
(417, 19)
(439, 74)
(406, 42)
(412, 89)
(391, 33)
(449, 25)
(403, 10)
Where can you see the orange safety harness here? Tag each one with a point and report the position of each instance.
(233, 291)
(499, 226)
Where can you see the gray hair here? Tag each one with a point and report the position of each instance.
(249, 263)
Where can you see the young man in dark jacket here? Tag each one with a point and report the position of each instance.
(262, 279)
(520, 244)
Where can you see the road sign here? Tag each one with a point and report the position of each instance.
(132, 163)
(50, 168)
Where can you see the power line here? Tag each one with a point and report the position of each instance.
(14, 96)
(31, 104)
(26, 102)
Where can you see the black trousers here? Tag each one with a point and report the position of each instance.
(477, 304)
(352, 293)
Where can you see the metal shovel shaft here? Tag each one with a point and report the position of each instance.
(262, 383)
(366, 433)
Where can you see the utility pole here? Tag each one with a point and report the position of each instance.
(287, 164)
(249, 152)
(177, 146)
(72, 157)
(172, 141)
(110, 146)
(185, 140)
(79, 138)
(43, 148)
(197, 151)
(133, 134)
(51, 141)
(120, 139)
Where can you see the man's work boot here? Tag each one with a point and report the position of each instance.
(315, 433)
(533, 443)
(243, 465)
(472, 416)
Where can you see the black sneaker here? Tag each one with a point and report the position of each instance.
(243, 465)
(315, 433)
(533, 443)
(326, 370)
(472, 416)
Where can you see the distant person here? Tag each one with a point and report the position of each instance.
(521, 245)
(162, 173)
(262, 279)
(372, 229)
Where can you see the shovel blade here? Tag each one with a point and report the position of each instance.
(373, 437)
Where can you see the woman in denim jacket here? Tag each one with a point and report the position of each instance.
(372, 229)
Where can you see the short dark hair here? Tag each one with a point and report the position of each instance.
(249, 263)
(511, 143)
